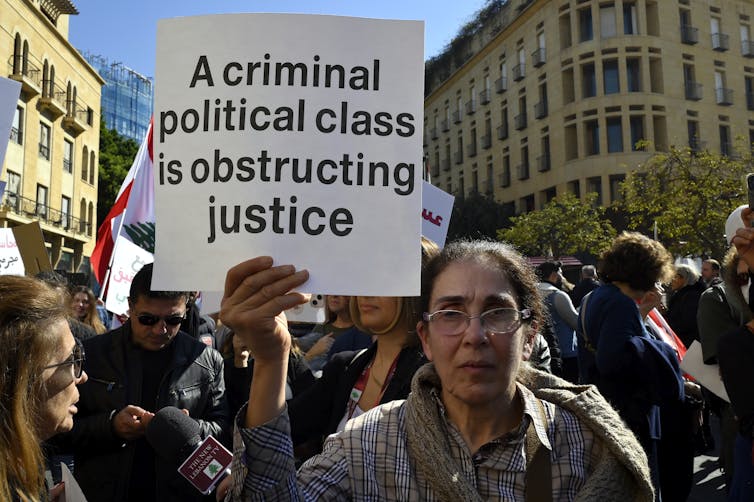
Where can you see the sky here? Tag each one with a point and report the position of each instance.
(125, 32)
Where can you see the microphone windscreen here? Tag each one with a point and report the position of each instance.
(173, 435)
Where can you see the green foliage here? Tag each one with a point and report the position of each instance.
(689, 195)
(116, 154)
(477, 216)
(567, 225)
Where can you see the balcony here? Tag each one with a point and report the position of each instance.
(53, 99)
(27, 72)
(445, 164)
(519, 121)
(470, 107)
(433, 133)
(519, 72)
(484, 96)
(720, 42)
(444, 125)
(689, 34)
(543, 163)
(540, 110)
(487, 141)
(459, 157)
(471, 149)
(747, 48)
(538, 57)
(693, 91)
(67, 165)
(501, 85)
(502, 131)
(724, 96)
(505, 178)
(78, 117)
(28, 208)
(523, 171)
(457, 117)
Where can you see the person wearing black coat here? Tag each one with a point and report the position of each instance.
(681, 315)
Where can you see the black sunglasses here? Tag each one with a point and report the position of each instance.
(151, 319)
(76, 358)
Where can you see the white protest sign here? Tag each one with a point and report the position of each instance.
(707, 375)
(295, 136)
(128, 258)
(9, 92)
(10, 258)
(437, 207)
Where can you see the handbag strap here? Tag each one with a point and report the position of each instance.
(582, 313)
(538, 478)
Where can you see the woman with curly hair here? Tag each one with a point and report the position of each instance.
(40, 366)
(632, 369)
(84, 307)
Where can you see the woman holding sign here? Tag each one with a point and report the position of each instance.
(354, 382)
(478, 424)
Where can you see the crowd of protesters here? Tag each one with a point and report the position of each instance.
(472, 391)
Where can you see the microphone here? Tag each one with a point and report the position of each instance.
(176, 438)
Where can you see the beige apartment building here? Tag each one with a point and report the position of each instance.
(51, 163)
(553, 95)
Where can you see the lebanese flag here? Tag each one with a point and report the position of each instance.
(132, 215)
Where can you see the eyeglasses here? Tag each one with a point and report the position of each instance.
(499, 320)
(151, 319)
(76, 358)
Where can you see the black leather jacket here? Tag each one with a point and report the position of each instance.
(194, 381)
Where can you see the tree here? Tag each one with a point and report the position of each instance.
(688, 195)
(567, 225)
(116, 154)
(477, 216)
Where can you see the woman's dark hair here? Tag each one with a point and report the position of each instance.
(636, 260)
(510, 263)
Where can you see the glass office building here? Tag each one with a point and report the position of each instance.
(126, 97)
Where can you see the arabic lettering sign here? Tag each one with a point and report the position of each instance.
(437, 207)
(310, 152)
(10, 258)
(128, 258)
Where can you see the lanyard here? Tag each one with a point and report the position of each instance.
(361, 384)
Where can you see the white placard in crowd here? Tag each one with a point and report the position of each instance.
(437, 207)
(10, 258)
(128, 258)
(9, 92)
(708, 375)
(295, 136)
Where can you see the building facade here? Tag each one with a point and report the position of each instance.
(570, 95)
(126, 98)
(50, 166)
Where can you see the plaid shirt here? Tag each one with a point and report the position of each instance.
(369, 460)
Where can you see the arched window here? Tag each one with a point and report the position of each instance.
(73, 108)
(25, 58)
(51, 88)
(45, 79)
(69, 98)
(85, 164)
(90, 219)
(17, 54)
(82, 216)
(92, 167)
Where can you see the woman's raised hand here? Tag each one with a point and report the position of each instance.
(256, 294)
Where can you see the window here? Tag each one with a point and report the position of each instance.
(594, 185)
(725, 145)
(44, 141)
(92, 167)
(633, 76)
(629, 19)
(615, 187)
(67, 156)
(636, 123)
(13, 190)
(692, 129)
(42, 201)
(65, 211)
(586, 31)
(610, 76)
(592, 137)
(588, 80)
(749, 89)
(85, 164)
(17, 129)
(614, 135)
(607, 21)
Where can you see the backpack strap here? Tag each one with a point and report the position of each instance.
(582, 313)
(538, 478)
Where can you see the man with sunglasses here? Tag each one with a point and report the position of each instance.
(136, 370)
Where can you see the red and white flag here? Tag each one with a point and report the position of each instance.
(132, 215)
